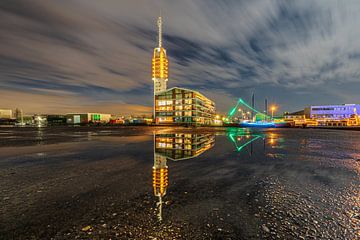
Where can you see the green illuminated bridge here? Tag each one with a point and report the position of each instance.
(241, 103)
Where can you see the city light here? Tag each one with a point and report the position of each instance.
(273, 108)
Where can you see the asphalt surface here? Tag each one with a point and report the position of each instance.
(96, 183)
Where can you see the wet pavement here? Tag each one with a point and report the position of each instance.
(179, 183)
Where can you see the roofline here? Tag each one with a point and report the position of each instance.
(186, 89)
(343, 104)
(87, 113)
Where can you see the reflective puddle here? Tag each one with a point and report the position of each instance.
(164, 183)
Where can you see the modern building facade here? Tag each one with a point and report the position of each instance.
(181, 146)
(86, 118)
(334, 111)
(183, 107)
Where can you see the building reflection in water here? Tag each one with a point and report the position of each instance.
(181, 146)
(175, 147)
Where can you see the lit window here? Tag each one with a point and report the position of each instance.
(161, 103)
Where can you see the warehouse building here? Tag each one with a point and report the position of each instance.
(56, 119)
(87, 118)
(6, 114)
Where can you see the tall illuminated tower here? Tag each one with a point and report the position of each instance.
(159, 64)
(160, 180)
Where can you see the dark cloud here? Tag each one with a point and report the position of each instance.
(82, 54)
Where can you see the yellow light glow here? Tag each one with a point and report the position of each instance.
(160, 181)
(160, 64)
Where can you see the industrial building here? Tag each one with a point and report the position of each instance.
(301, 114)
(335, 112)
(40, 120)
(56, 119)
(6, 114)
(176, 106)
(299, 118)
(86, 118)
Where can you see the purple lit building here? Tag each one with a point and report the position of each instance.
(334, 111)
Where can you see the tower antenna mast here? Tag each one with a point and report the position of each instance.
(159, 22)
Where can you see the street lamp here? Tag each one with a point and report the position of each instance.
(272, 111)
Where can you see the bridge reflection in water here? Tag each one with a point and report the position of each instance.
(182, 146)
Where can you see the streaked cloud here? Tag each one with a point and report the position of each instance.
(75, 55)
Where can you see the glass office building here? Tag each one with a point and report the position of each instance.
(182, 106)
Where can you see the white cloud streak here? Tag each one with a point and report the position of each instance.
(102, 49)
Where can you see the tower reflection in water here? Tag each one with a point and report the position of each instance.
(181, 146)
(175, 147)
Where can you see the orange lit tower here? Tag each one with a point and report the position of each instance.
(160, 180)
(159, 64)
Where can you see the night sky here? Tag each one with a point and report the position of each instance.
(95, 55)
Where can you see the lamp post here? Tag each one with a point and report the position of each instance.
(272, 112)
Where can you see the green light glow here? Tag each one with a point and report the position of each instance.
(232, 111)
(232, 137)
(241, 101)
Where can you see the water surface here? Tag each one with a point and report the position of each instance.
(173, 183)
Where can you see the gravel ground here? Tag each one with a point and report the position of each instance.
(96, 183)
